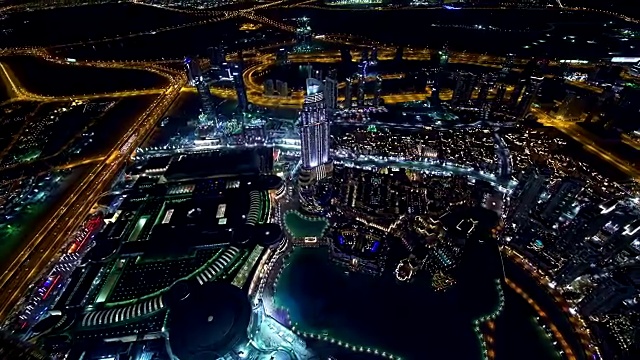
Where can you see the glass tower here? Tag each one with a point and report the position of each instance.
(314, 127)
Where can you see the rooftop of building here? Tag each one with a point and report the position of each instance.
(230, 162)
(209, 322)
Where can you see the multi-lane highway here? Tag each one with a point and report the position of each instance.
(39, 250)
(589, 142)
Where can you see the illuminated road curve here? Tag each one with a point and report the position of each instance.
(579, 326)
(587, 140)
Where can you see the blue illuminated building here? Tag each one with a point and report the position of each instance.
(358, 252)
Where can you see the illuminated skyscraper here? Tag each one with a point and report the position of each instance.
(362, 78)
(238, 83)
(314, 134)
(377, 91)
(331, 91)
(347, 93)
(517, 93)
(217, 56)
(193, 70)
(208, 103)
(441, 66)
(464, 89)
(507, 66)
(530, 93)
(303, 33)
(373, 57)
(527, 193)
(501, 91)
(562, 199)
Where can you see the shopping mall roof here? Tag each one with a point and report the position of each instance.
(209, 323)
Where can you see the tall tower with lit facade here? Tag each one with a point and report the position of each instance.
(238, 83)
(362, 78)
(331, 90)
(530, 93)
(314, 135)
(347, 93)
(441, 66)
(377, 94)
(194, 73)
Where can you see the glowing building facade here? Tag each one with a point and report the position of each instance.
(194, 74)
(314, 134)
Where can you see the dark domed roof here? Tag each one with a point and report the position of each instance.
(56, 321)
(271, 182)
(209, 322)
(268, 234)
(242, 234)
(178, 292)
(102, 250)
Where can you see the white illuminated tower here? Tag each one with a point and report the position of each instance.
(314, 135)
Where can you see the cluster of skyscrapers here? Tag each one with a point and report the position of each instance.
(589, 236)
(473, 91)
(356, 82)
(219, 70)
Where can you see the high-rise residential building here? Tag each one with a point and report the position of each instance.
(217, 56)
(269, 87)
(606, 296)
(364, 56)
(282, 56)
(314, 134)
(507, 66)
(399, 54)
(238, 83)
(204, 93)
(373, 57)
(501, 91)
(194, 72)
(576, 266)
(377, 92)
(465, 84)
(282, 88)
(528, 192)
(331, 90)
(441, 66)
(347, 93)
(362, 79)
(530, 93)
(487, 83)
(563, 198)
(589, 220)
(345, 56)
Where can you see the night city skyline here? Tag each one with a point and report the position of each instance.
(319, 179)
